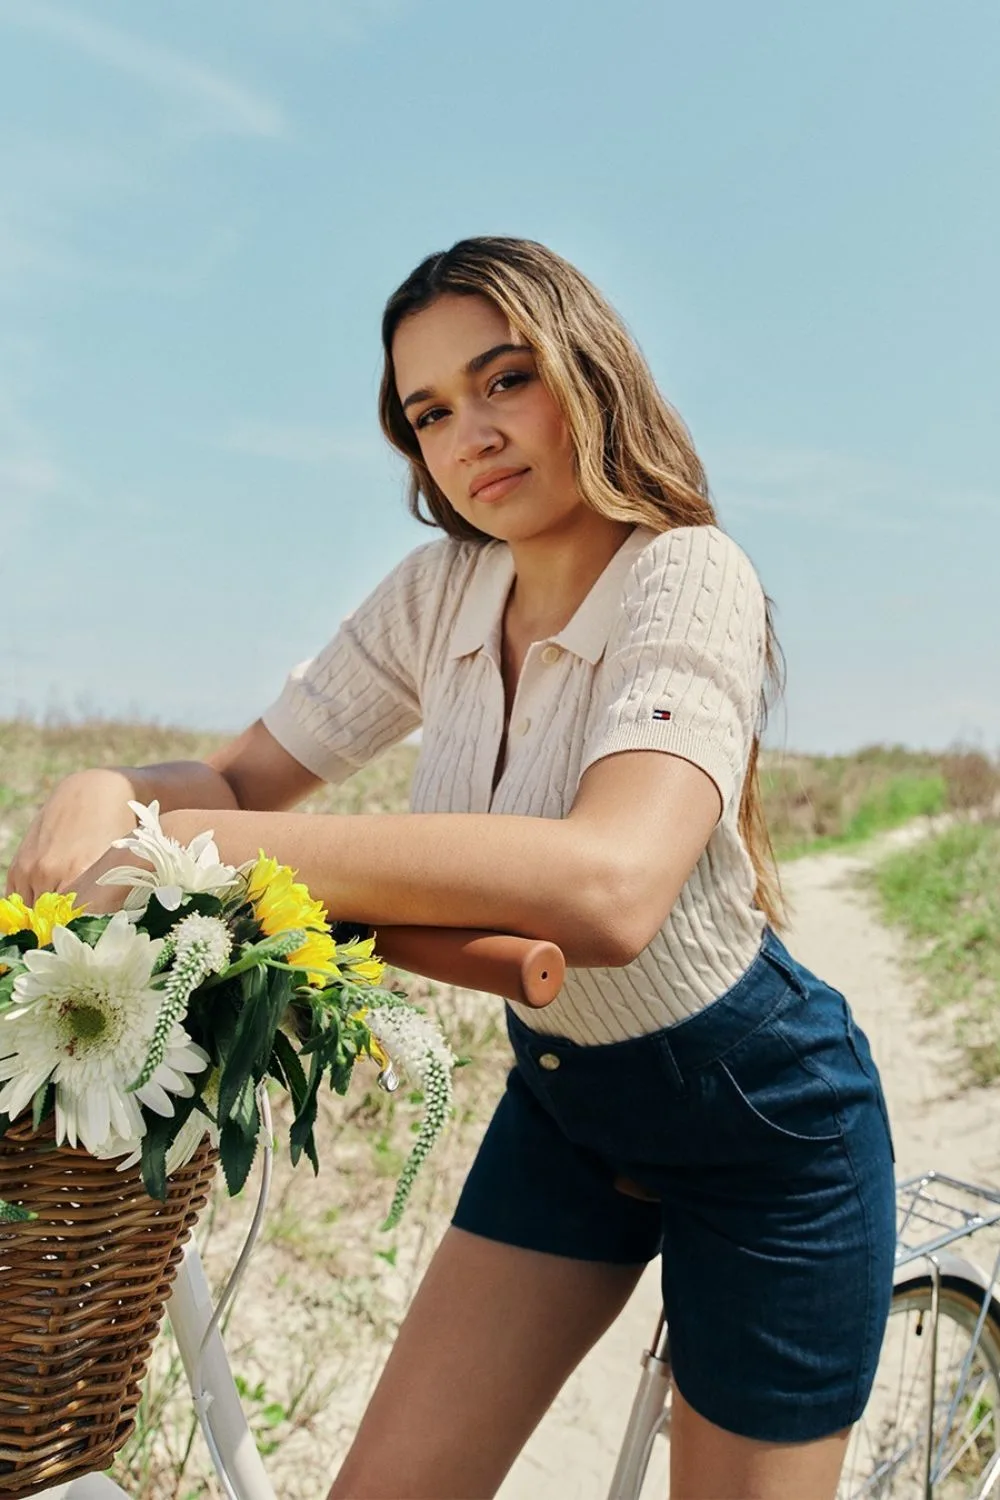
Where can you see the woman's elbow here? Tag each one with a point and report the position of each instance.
(610, 926)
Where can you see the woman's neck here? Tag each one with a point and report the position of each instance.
(554, 573)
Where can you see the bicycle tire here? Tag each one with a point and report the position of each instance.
(887, 1454)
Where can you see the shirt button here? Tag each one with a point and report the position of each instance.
(523, 725)
(551, 654)
(548, 1061)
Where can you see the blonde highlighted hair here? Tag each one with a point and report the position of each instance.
(635, 461)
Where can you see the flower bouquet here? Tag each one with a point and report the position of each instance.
(134, 1049)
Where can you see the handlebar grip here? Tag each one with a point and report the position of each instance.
(528, 970)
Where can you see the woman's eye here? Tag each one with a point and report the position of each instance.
(516, 377)
(511, 377)
(424, 418)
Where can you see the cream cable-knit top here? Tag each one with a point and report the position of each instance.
(666, 652)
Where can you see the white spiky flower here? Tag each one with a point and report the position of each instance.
(206, 939)
(83, 1018)
(412, 1040)
(199, 946)
(177, 871)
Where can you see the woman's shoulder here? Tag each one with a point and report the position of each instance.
(707, 543)
(702, 558)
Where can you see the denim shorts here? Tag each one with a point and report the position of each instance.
(759, 1127)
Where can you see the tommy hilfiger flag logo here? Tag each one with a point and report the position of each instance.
(662, 713)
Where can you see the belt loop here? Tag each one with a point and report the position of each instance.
(777, 954)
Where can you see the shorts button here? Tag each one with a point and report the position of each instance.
(548, 1061)
(551, 654)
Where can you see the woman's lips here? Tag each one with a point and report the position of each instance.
(499, 487)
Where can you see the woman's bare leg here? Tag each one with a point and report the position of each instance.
(708, 1463)
(488, 1341)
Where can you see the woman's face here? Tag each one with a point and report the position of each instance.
(492, 436)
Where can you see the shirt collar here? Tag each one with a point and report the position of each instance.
(586, 634)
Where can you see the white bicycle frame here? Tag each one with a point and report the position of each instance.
(222, 1418)
(234, 1452)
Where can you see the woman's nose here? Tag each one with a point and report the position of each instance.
(476, 434)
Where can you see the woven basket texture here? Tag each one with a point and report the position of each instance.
(82, 1294)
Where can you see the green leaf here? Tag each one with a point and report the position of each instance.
(15, 1213)
(88, 929)
(238, 1147)
(284, 1055)
(204, 903)
(42, 1104)
(161, 1132)
(153, 1165)
(265, 998)
(7, 990)
(156, 920)
(301, 1134)
(24, 941)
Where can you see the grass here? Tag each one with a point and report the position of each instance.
(834, 801)
(945, 894)
(325, 1289)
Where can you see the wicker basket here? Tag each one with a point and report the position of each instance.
(82, 1293)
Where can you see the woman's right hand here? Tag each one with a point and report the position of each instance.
(76, 824)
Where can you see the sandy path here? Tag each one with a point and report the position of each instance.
(834, 932)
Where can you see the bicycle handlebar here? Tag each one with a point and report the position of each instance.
(528, 970)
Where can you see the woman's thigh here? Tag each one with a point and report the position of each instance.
(491, 1335)
(708, 1463)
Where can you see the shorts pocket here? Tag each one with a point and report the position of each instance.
(769, 1109)
(777, 1089)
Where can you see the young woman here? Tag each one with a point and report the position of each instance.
(587, 653)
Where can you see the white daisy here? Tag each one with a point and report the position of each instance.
(186, 1142)
(177, 871)
(84, 1018)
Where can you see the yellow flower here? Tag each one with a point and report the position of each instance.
(14, 915)
(359, 961)
(317, 956)
(378, 1052)
(52, 909)
(280, 902)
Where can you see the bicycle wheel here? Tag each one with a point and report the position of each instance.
(887, 1454)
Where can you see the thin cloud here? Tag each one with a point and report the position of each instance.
(298, 443)
(825, 486)
(227, 107)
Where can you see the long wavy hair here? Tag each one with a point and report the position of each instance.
(635, 460)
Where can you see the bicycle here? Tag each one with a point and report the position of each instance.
(931, 1429)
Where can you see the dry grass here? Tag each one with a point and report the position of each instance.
(326, 1289)
(815, 802)
(945, 894)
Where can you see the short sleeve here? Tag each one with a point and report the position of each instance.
(684, 663)
(361, 694)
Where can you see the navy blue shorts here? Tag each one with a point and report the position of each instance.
(760, 1126)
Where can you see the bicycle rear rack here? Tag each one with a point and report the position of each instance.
(934, 1210)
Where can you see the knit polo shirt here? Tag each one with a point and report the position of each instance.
(666, 652)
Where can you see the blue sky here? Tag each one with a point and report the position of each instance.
(795, 207)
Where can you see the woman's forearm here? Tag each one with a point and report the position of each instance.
(179, 784)
(537, 877)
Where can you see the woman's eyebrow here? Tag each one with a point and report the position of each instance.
(475, 364)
